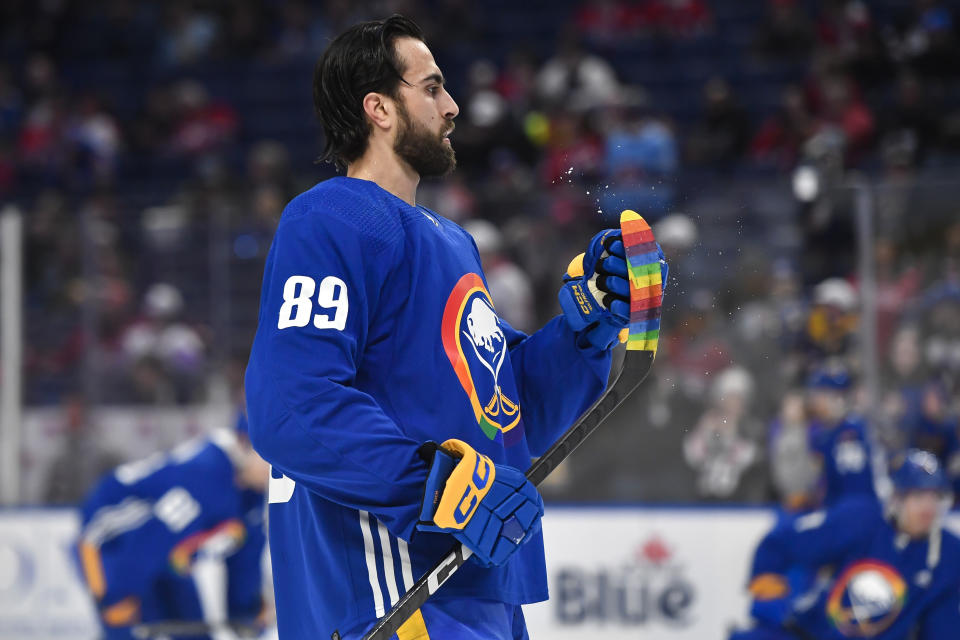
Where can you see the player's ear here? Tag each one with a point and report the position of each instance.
(379, 109)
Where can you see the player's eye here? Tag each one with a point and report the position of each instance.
(433, 89)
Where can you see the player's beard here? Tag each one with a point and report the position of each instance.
(424, 151)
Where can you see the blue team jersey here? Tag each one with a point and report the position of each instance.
(845, 453)
(145, 523)
(377, 333)
(874, 582)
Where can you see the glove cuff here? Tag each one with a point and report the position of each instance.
(455, 486)
(441, 465)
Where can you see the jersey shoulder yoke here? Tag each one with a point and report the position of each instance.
(361, 206)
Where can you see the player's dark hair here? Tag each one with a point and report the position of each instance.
(360, 60)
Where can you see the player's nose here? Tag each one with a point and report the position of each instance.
(449, 106)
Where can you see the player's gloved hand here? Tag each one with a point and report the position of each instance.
(492, 509)
(595, 296)
(772, 603)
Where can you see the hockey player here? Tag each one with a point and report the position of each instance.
(838, 437)
(887, 577)
(377, 335)
(178, 537)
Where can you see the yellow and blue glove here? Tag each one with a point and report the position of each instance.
(595, 296)
(492, 509)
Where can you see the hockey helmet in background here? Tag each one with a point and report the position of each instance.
(917, 470)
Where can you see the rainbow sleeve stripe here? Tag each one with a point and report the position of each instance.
(182, 556)
(646, 289)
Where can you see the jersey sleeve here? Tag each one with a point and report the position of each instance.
(322, 283)
(556, 379)
(816, 538)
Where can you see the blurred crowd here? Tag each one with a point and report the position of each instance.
(153, 145)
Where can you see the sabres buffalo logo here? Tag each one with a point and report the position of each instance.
(866, 599)
(477, 348)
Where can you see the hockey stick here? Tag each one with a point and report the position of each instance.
(646, 296)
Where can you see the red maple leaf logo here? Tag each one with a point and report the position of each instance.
(655, 551)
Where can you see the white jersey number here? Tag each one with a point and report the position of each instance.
(176, 509)
(298, 303)
(280, 489)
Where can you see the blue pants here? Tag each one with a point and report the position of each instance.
(462, 619)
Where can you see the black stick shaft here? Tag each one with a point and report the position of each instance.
(636, 366)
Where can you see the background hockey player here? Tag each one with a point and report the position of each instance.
(178, 537)
(376, 335)
(855, 572)
(838, 436)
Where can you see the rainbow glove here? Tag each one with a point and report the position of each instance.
(595, 296)
(492, 509)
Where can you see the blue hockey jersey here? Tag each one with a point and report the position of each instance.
(144, 524)
(845, 453)
(874, 582)
(377, 333)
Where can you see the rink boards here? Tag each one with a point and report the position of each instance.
(628, 572)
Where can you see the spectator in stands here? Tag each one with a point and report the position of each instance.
(41, 146)
(910, 128)
(189, 32)
(905, 359)
(832, 322)
(929, 424)
(897, 282)
(786, 30)
(574, 152)
(486, 124)
(574, 77)
(510, 288)
(927, 40)
(676, 18)
(41, 78)
(608, 22)
(794, 468)
(781, 137)
(510, 191)
(47, 252)
(847, 31)
(95, 140)
(162, 345)
(841, 108)
(153, 125)
(719, 138)
(696, 347)
(939, 313)
(517, 82)
(721, 449)
(901, 377)
(641, 157)
(456, 198)
(200, 124)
